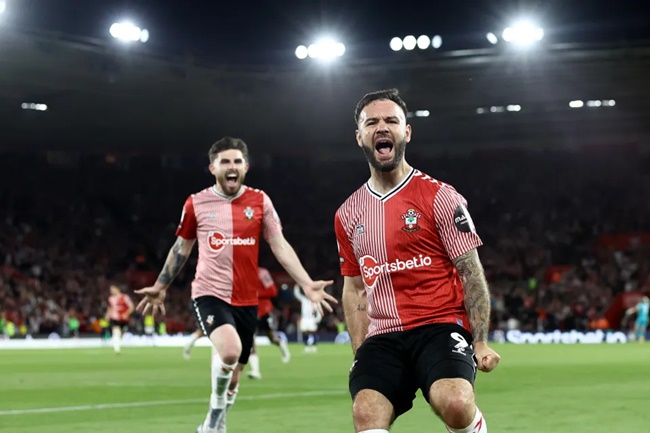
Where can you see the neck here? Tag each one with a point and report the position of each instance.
(384, 181)
(217, 187)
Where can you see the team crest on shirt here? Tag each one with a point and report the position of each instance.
(360, 229)
(210, 319)
(249, 212)
(411, 221)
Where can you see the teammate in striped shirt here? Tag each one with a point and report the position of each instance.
(120, 308)
(228, 221)
(415, 298)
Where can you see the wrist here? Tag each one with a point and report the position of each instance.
(480, 343)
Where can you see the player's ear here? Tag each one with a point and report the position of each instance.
(358, 134)
(407, 136)
(246, 167)
(211, 168)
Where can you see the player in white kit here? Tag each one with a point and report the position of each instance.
(309, 320)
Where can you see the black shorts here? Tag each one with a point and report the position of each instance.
(212, 312)
(397, 364)
(122, 324)
(265, 323)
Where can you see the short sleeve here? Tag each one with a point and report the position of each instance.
(454, 223)
(187, 226)
(348, 261)
(271, 221)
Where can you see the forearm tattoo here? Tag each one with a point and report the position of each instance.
(477, 294)
(174, 263)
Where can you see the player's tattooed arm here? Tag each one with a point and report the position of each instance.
(176, 258)
(477, 294)
(355, 309)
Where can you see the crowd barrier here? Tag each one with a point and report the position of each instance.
(54, 341)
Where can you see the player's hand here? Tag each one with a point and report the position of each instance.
(316, 293)
(486, 358)
(154, 299)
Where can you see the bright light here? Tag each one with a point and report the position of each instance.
(436, 42)
(492, 38)
(480, 110)
(3, 6)
(576, 104)
(301, 52)
(523, 33)
(594, 103)
(128, 32)
(409, 42)
(422, 113)
(32, 106)
(396, 44)
(609, 103)
(423, 42)
(514, 107)
(324, 50)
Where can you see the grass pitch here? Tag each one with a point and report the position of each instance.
(537, 389)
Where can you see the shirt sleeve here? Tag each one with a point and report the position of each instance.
(271, 220)
(187, 226)
(347, 259)
(454, 223)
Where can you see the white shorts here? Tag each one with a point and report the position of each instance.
(308, 325)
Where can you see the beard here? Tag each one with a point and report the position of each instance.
(386, 166)
(231, 188)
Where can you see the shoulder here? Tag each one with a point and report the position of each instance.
(352, 203)
(432, 187)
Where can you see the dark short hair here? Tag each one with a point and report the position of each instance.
(389, 94)
(228, 143)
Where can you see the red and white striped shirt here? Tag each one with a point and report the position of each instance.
(228, 230)
(119, 307)
(402, 244)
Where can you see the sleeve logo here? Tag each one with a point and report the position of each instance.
(463, 220)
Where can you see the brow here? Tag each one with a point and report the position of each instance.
(387, 118)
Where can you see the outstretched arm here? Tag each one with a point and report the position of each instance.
(176, 258)
(154, 296)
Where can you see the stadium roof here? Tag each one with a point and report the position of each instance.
(100, 97)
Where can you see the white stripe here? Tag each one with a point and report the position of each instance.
(163, 403)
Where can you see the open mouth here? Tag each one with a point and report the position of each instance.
(231, 179)
(383, 147)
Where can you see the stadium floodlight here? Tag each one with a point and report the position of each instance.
(3, 6)
(492, 38)
(609, 103)
(523, 33)
(410, 42)
(302, 52)
(422, 113)
(593, 104)
(325, 50)
(128, 32)
(576, 104)
(33, 106)
(436, 42)
(513, 107)
(396, 44)
(423, 42)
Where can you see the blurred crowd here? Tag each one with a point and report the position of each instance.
(71, 224)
